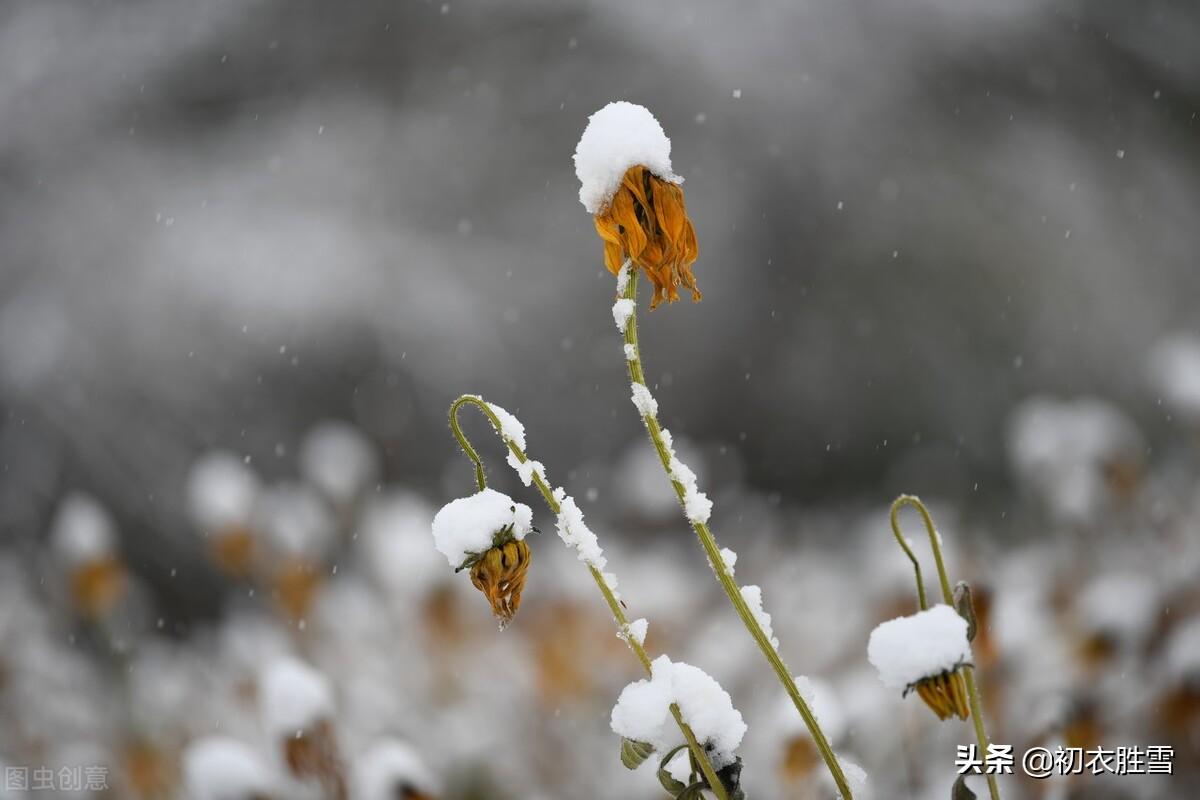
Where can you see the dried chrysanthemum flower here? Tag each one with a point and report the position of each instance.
(84, 541)
(647, 223)
(485, 533)
(925, 653)
(623, 162)
(945, 693)
(500, 575)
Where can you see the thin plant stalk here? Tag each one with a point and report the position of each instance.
(935, 542)
(720, 568)
(614, 605)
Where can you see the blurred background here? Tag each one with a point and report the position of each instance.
(946, 248)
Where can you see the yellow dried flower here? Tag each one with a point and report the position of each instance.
(946, 694)
(646, 222)
(97, 585)
(500, 574)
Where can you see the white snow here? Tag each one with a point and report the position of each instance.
(1060, 448)
(1183, 652)
(907, 649)
(730, 558)
(619, 136)
(630, 353)
(1120, 604)
(823, 703)
(295, 521)
(82, 530)
(622, 310)
(221, 491)
(511, 429)
(467, 526)
(642, 712)
(1175, 373)
(637, 630)
(856, 778)
(394, 536)
(575, 532)
(392, 769)
(753, 597)
(526, 469)
(645, 403)
(696, 504)
(222, 768)
(339, 460)
(293, 697)
(623, 277)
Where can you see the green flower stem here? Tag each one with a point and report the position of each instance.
(935, 542)
(614, 605)
(724, 577)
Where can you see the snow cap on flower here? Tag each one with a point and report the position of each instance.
(392, 770)
(923, 653)
(619, 136)
(623, 162)
(486, 533)
(906, 650)
(467, 527)
(1174, 368)
(643, 714)
(82, 530)
(339, 460)
(295, 697)
(221, 491)
(222, 768)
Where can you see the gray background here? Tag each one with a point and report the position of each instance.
(221, 222)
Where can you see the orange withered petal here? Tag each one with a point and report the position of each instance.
(646, 222)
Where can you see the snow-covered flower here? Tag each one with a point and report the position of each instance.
(392, 770)
(1174, 367)
(83, 537)
(298, 532)
(221, 494)
(339, 460)
(486, 534)
(298, 711)
(222, 768)
(925, 653)
(1075, 454)
(623, 162)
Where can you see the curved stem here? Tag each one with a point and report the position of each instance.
(463, 442)
(709, 543)
(614, 605)
(935, 542)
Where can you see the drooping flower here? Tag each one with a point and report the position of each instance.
(646, 222)
(623, 162)
(485, 533)
(925, 653)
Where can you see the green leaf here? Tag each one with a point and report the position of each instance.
(960, 790)
(634, 753)
(693, 792)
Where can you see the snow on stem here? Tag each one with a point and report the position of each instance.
(574, 533)
(697, 507)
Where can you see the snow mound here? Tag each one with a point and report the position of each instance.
(467, 526)
(928, 643)
(619, 136)
(643, 711)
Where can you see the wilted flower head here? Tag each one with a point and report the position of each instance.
(85, 542)
(925, 653)
(486, 534)
(623, 162)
